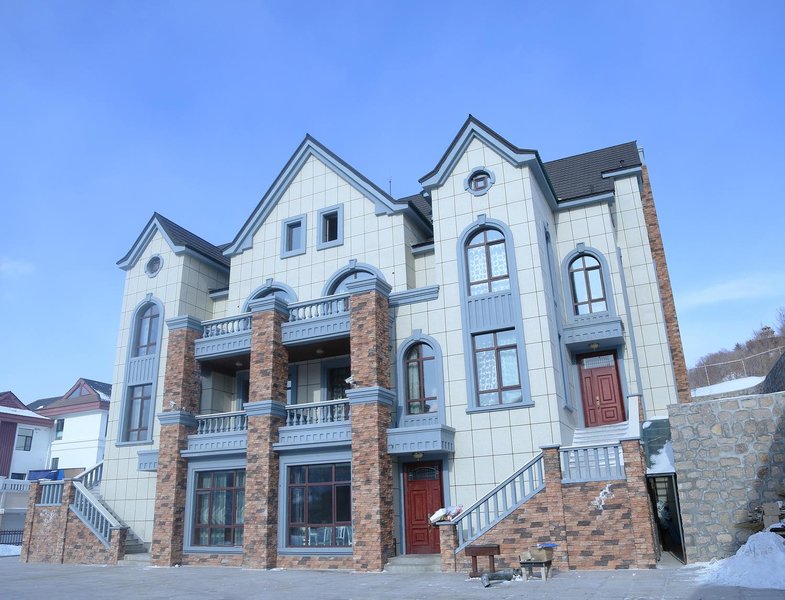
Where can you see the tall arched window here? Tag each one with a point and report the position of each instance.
(588, 290)
(356, 275)
(421, 380)
(146, 334)
(486, 261)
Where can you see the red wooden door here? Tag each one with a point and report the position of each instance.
(600, 390)
(422, 497)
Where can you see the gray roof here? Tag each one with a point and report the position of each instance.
(180, 236)
(42, 403)
(99, 386)
(419, 203)
(581, 175)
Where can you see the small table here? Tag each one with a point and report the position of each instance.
(489, 550)
(528, 566)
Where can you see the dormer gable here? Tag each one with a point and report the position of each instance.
(180, 240)
(384, 204)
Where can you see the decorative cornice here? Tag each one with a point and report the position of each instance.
(370, 395)
(369, 285)
(269, 303)
(184, 322)
(177, 417)
(622, 172)
(422, 294)
(265, 408)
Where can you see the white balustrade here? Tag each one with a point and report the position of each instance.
(51, 492)
(92, 476)
(89, 509)
(229, 422)
(314, 413)
(227, 326)
(593, 463)
(316, 309)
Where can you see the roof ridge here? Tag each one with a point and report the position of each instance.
(592, 151)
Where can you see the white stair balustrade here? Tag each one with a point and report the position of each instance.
(592, 463)
(92, 513)
(91, 478)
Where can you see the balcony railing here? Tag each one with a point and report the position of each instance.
(317, 309)
(595, 463)
(227, 326)
(51, 493)
(315, 413)
(91, 477)
(230, 422)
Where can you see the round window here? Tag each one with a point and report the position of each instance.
(153, 266)
(479, 181)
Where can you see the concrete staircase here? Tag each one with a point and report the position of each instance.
(141, 559)
(414, 563)
(600, 436)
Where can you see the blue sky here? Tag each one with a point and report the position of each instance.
(112, 110)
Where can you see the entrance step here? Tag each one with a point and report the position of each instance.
(599, 436)
(414, 563)
(140, 559)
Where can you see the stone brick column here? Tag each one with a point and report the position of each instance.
(554, 500)
(666, 292)
(180, 404)
(448, 542)
(371, 405)
(266, 413)
(33, 498)
(640, 507)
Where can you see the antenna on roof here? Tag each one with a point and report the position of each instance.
(390, 185)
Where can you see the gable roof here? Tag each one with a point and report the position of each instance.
(9, 400)
(179, 239)
(582, 175)
(98, 399)
(12, 409)
(383, 202)
(42, 403)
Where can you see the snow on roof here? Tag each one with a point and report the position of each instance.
(662, 461)
(734, 385)
(759, 563)
(21, 413)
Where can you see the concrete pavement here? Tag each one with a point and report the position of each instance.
(45, 582)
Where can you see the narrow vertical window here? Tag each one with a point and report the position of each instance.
(59, 426)
(138, 417)
(421, 391)
(330, 227)
(146, 335)
(496, 360)
(588, 290)
(486, 260)
(293, 237)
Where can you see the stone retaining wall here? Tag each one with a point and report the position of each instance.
(730, 457)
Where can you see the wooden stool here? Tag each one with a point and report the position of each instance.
(489, 550)
(528, 566)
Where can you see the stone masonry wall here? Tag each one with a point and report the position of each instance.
(666, 292)
(730, 457)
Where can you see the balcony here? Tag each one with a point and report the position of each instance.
(312, 321)
(316, 424)
(222, 433)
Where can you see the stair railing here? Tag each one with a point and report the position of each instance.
(90, 511)
(91, 477)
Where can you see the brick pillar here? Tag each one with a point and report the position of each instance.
(666, 292)
(33, 498)
(180, 404)
(448, 542)
(266, 413)
(640, 506)
(371, 405)
(554, 500)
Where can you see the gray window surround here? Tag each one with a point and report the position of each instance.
(580, 250)
(148, 268)
(469, 330)
(331, 363)
(270, 286)
(467, 181)
(206, 464)
(321, 216)
(336, 278)
(285, 225)
(304, 458)
(399, 494)
(418, 337)
(152, 380)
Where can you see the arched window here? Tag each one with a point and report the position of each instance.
(588, 289)
(421, 380)
(355, 275)
(486, 262)
(146, 334)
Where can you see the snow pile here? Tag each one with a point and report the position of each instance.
(662, 462)
(734, 385)
(6, 550)
(760, 563)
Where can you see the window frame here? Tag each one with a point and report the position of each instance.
(497, 349)
(437, 416)
(27, 444)
(142, 323)
(328, 365)
(486, 250)
(302, 222)
(129, 409)
(322, 215)
(567, 285)
(583, 272)
(473, 175)
(419, 363)
(231, 493)
(59, 427)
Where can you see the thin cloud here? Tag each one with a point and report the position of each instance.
(11, 267)
(743, 288)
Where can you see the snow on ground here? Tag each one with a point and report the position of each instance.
(6, 550)
(760, 563)
(663, 461)
(734, 385)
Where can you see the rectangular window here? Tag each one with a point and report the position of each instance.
(293, 237)
(59, 425)
(330, 227)
(496, 364)
(55, 463)
(219, 508)
(24, 439)
(336, 382)
(137, 419)
(319, 505)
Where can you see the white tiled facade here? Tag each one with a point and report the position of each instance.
(490, 445)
